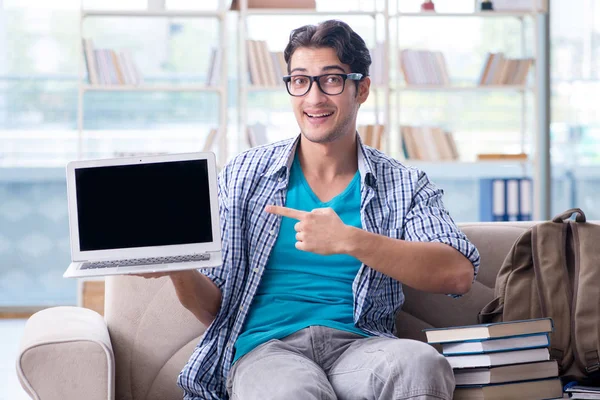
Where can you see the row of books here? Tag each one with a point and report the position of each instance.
(499, 70)
(371, 135)
(428, 144)
(505, 199)
(109, 67)
(422, 67)
(506, 360)
(265, 68)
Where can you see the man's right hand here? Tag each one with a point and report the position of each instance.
(153, 275)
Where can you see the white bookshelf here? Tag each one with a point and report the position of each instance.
(85, 87)
(456, 88)
(476, 168)
(151, 88)
(292, 11)
(244, 86)
(153, 13)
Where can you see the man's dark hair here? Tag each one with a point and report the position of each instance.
(349, 46)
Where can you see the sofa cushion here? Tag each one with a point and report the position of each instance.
(152, 334)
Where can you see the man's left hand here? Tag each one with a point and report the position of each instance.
(320, 231)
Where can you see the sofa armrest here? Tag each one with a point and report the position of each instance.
(66, 354)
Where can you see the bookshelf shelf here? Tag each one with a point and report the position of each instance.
(294, 12)
(256, 88)
(480, 88)
(479, 14)
(472, 169)
(151, 88)
(153, 14)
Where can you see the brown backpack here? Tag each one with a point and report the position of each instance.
(553, 270)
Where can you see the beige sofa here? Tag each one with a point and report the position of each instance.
(146, 337)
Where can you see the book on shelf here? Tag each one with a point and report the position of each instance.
(506, 373)
(109, 67)
(213, 77)
(423, 67)
(496, 345)
(256, 135)
(489, 331)
(527, 390)
(426, 143)
(371, 135)
(505, 199)
(502, 157)
(501, 358)
(297, 4)
(265, 68)
(499, 70)
(583, 392)
(376, 70)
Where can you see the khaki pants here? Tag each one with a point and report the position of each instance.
(323, 363)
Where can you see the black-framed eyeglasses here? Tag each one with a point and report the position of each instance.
(330, 84)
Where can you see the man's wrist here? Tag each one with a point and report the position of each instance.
(350, 240)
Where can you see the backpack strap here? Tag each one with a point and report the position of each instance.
(553, 285)
(562, 217)
(585, 326)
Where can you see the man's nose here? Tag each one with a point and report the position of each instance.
(315, 95)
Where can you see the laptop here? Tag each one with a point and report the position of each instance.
(144, 214)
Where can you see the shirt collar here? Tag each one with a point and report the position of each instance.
(284, 161)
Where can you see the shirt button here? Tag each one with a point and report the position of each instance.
(272, 232)
(255, 270)
(241, 308)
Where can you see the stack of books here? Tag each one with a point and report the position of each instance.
(505, 360)
(582, 392)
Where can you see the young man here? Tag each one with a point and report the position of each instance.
(319, 234)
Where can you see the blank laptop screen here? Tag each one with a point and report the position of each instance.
(143, 205)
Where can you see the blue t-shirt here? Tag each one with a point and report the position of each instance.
(299, 289)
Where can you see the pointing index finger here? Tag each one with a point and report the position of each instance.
(286, 212)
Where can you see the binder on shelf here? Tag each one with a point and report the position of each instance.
(525, 200)
(505, 199)
(512, 199)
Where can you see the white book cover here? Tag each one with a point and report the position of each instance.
(503, 358)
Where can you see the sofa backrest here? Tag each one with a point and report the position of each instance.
(426, 310)
(153, 335)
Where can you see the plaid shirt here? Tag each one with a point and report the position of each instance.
(396, 201)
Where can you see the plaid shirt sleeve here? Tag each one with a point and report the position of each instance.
(428, 221)
(219, 274)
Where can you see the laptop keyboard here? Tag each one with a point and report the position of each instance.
(146, 261)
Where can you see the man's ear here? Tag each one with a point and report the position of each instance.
(362, 92)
